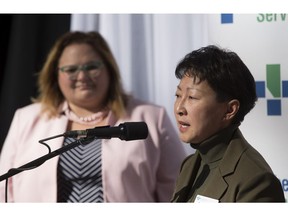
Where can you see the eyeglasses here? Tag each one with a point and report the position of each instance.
(92, 68)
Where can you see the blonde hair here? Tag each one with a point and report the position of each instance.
(50, 95)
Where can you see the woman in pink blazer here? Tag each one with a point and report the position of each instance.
(80, 88)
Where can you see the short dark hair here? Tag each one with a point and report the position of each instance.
(226, 74)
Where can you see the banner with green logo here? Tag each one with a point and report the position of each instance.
(261, 41)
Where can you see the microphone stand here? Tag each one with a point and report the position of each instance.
(41, 160)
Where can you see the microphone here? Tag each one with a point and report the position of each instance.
(125, 131)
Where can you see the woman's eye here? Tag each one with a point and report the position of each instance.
(192, 97)
(91, 67)
(70, 70)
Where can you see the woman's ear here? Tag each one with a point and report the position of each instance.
(232, 109)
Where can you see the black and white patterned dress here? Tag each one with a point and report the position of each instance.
(79, 174)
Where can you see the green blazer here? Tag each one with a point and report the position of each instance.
(243, 175)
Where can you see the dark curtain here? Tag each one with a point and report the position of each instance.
(25, 42)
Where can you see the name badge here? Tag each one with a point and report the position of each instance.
(204, 199)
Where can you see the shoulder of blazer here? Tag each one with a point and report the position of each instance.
(190, 161)
(237, 147)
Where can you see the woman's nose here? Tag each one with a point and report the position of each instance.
(82, 74)
(180, 108)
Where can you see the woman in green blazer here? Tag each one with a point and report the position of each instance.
(215, 92)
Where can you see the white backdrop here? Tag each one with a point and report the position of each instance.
(149, 46)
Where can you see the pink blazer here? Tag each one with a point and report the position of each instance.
(133, 171)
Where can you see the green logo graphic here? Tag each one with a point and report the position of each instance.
(277, 88)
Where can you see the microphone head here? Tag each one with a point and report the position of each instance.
(134, 130)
